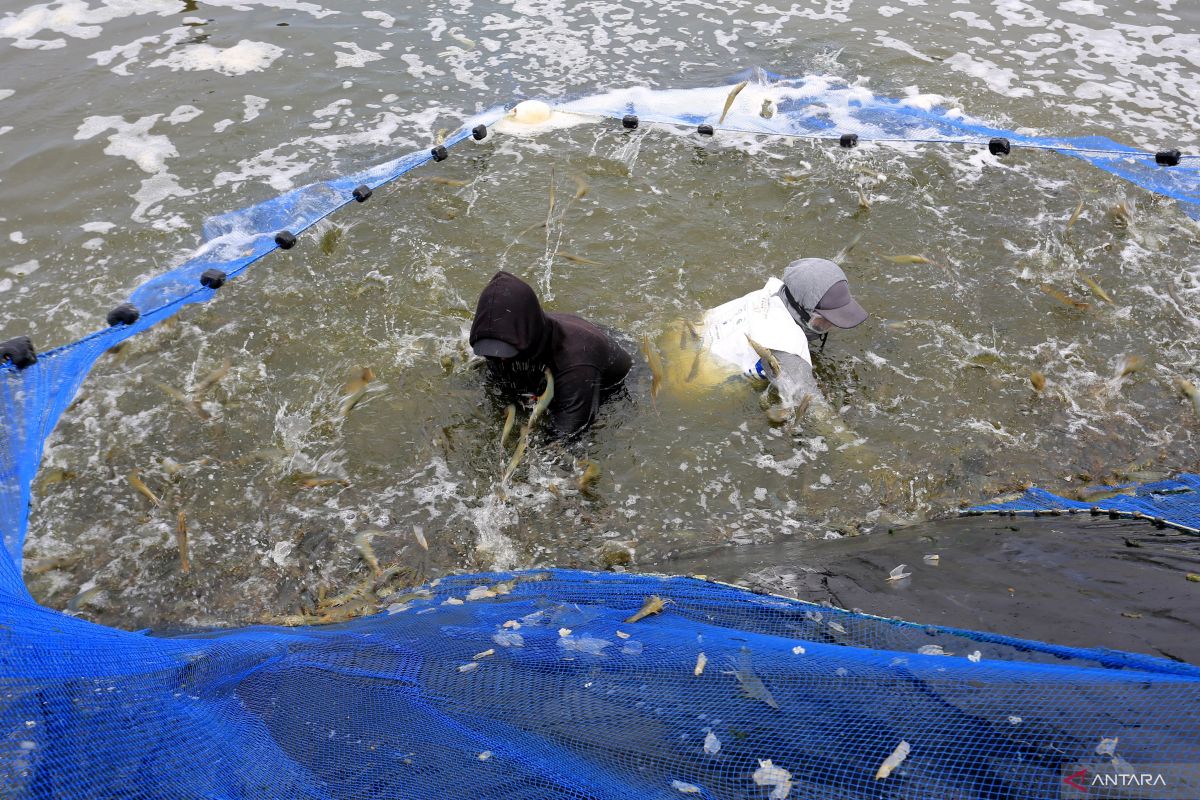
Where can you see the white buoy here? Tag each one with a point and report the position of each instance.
(530, 112)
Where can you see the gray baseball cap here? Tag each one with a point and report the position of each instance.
(819, 286)
(493, 348)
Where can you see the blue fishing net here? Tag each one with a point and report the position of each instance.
(1174, 502)
(537, 684)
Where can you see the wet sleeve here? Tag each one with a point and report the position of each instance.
(576, 399)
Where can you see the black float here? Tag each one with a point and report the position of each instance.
(479, 132)
(124, 314)
(999, 146)
(285, 239)
(1167, 158)
(848, 140)
(212, 278)
(439, 153)
(19, 351)
(629, 121)
(361, 193)
(704, 129)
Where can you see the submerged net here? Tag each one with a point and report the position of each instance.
(535, 684)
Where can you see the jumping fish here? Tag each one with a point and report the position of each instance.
(578, 259)
(191, 404)
(211, 379)
(355, 389)
(908, 259)
(1074, 215)
(653, 605)
(729, 100)
(181, 538)
(441, 181)
(1062, 298)
(656, 367)
(581, 188)
(363, 542)
(1038, 380)
(1096, 289)
(135, 480)
(542, 402)
(1188, 390)
(510, 416)
(330, 239)
(83, 598)
(591, 474)
(766, 355)
(419, 535)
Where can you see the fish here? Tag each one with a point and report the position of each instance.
(181, 538)
(751, 685)
(211, 379)
(510, 416)
(441, 181)
(83, 598)
(1062, 298)
(1123, 212)
(894, 760)
(329, 239)
(1096, 289)
(1074, 215)
(355, 389)
(733, 93)
(419, 535)
(578, 259)
(522, 443)
(695, 369)
(191, 404)
(840, 256)
(1129, 364)
(701, 661)
(802, 406)
(440, 136)
(591, 474)
(653, 605)
(778, 415)
(1038, 380)
(542, 402)
(767, 111)
(767, 356)
(656, 367)
(581, 188)
(863, 202)
(135, 480)
(1188, 390)
(44, 565)
(1092, 494)
(317, 481)
(363, 542)
(907, 259)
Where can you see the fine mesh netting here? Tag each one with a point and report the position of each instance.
(535, 685)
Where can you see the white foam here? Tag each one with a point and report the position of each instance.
(182, 114)
(6, 93)
(245, 56)
(997, 78)
(384, 19)
(1083, 7)
(18, 237)
(98, 226)
(28, 268)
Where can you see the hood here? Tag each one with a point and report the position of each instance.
(508, 310)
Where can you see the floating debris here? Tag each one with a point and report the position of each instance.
(729, 100)
(508, 639)
(894, 760)
(564, 631)
(701, 662)
(975, 657)
(799, 650)
(1193, 577)
(768, 774)
(135, 480)
(931, 559)
(653, 605)
(1107, 747)
(485, 755)
(1014, 720)
(583, 644)
(932, 650)
(712, 745)
(768, 109)
(898, 573)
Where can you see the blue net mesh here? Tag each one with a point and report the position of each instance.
(536, 684)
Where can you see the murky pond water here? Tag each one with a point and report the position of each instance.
(128, 125)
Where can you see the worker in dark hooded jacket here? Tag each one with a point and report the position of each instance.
(520, 341)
